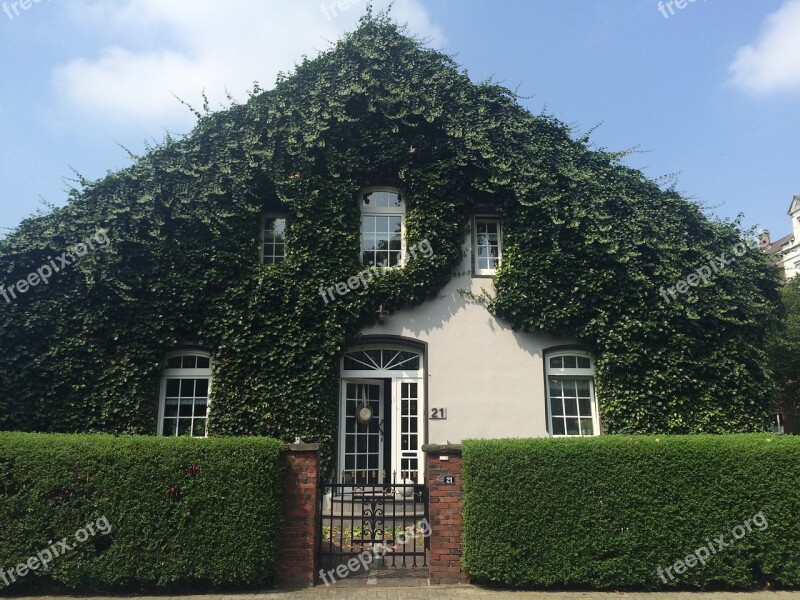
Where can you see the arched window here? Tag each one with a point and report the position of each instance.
(185, 385)
(382, 214)
(571, 401)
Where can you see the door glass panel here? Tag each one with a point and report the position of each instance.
(363, 441)
(409, 426)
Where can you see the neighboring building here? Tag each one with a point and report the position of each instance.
(786, 249)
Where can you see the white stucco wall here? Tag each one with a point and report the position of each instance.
(489, 378)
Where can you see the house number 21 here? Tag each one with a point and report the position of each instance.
(438, 413)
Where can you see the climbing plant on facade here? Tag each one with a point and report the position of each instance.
(588, 244)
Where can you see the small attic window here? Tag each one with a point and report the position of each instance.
(273, 239)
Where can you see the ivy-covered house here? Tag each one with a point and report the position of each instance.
(375, 254)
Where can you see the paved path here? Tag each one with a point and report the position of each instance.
(447, 593)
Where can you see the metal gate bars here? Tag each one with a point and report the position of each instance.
(386, 522)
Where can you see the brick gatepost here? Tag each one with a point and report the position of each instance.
(446, 501)
(300, 538)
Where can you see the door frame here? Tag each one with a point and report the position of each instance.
(393, 403)
(397, 426)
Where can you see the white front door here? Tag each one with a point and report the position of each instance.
(361, 449)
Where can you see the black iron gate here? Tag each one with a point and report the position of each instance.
(380, 524)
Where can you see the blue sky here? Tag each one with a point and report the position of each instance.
(708, 90)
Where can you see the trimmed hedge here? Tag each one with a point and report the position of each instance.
(607, 512)
(183, 513)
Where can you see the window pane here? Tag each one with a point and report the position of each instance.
(184, 426)
(187, 388)
(555, 388)
(556, 407)
(587, 428)
(200, 408)
(171, 408)
(583, 388)
(173, 387)
(186, 408)
(199, 428)
(201, 388)
(170, 426)
(586, 407)
(556, 362)
(584, 363)
(558, 426)
(381, 200)
(572, 427)
(571, 407)
(570, 362)
(202, 362)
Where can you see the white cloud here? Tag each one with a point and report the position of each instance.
(772, 63)
(183, 47)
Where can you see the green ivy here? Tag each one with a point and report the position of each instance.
(587, 243)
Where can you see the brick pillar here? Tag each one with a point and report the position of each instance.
(446, 501)
(300, 538)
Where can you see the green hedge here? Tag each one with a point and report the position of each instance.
(608, 512)
(183, 513)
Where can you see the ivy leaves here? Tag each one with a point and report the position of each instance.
(587, 244)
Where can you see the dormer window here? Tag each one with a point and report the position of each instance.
(273, 239)
(487, 245)
(382, 215)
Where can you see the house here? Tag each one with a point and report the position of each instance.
(786, 250)
(377, 254)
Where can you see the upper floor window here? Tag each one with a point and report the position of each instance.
(382, 213)
(572, 406)
(183, 405)
(487, 245)
(273, 237)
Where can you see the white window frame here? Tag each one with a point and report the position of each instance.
(570, 373)
(495, 218)
(383, 211)
(264, 218)
(777, 423)
(181, 373)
